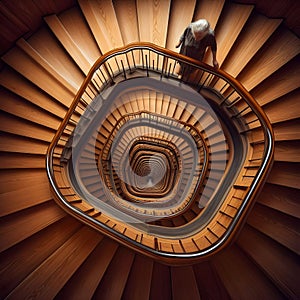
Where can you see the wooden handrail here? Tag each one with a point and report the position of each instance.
(142, 241)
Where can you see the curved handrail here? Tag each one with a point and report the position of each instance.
(218, 73)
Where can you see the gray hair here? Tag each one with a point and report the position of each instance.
(201, 25)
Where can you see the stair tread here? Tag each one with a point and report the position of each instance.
(37, 75)
(27, 259)
(266, 62)
(153, 20)
(277, 261)
(103, 23)
(35, 218)
(283, 229)
(180, 17)
(233, 18)
(116, 275)
(84, 282)
(281, 198)
(139, 280)
(242, 274)
(184, 284)
(48, 277)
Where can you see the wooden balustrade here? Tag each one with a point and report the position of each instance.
(236, 104)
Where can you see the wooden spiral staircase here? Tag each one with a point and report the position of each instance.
(46, 253)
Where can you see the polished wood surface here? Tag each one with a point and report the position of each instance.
(38, 236)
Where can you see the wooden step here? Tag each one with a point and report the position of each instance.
(10, 160)
(280, 198)
(184, 284)
(278, 263)
(15, 105)
(286, 174)
(284, 230)
(101, 17)
(22, 197)
(22, 127)
(240, 277)
(209, 284)
(116, 275)
(288, 130)
(280, 83)
(48, 277)
(180, 17)
(19, 144)
(29, 92)
(153, 20)
(287, 151)
(126, 14)
(40, 73)
(86, 279)
(161, 282)
(209, 10)
(72, 31)
(45, 51)
(138, 284)
(283, 109)
(256, 32)
(25, 256)
(21, 225)
(233, 18)
(266, 62)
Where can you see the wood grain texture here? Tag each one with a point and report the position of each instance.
(282, 47)
(24, 197)
(286, 174)
(103, 23)
(288, 130)
(43, 48)
(75, 36)
(126, 13)
(139, 280)
(161, 282)
(12, 104)
(69, 44)
(279, 263)
(285, 108)
(153, 20)
(240, 275)
(282, 228)
(184, 285)
(209, 284)
(281, 198)
(23, 127)
(21, 225)
(181, 15)
(17, 84)
(84, 282)
(255, 33)
(210, 10)
(19, 261)
(231, 23)
(54, 272)
(47, 254)
(10, 160)
(280, 83)
(23, 64)
(77, 27)
(287, 151)
(19, 144)
(116, 276)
